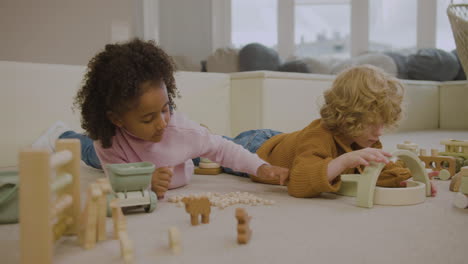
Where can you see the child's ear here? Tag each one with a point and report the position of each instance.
(114, 119)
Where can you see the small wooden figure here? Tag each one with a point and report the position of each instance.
(208, 171)
(174, 240)
(408, 145)
(207, 167)
(126, 247)
(456, 182)
(120, 223)
(243, 229)
(198, 206)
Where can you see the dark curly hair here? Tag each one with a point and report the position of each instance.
(114, 82)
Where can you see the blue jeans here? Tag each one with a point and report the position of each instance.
(88, 154)
(251, 140)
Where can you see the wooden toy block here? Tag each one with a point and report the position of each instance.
(434, 152)
(196, 206)
(126, 247)
(44, 218)
(118, 218)
(207, 167)
(88, 233)
(456, 182)
(455, 148)
(101, 222)
(204, 171)
(174, 240)
(460, 200)
(363, 186)
(464, 185)
(446, 165)
(464, 171)
(211, 165)
(243, 228)
(422, 152)
(72, 168)
(408, 145)
(461, 197)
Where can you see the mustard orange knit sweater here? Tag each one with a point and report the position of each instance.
(307, 152)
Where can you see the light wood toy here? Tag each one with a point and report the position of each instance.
(207, 167)
(445, 165)
(198, 206)
(120, 231)
(408, 145)
(126, 247)
(118, 218)
(461, 198)
(363, 186)
(89, 218)
(106, 188)
(93, 218)
(456, 182)
(49, 197)
(455, 148)
(174, 240)
(243, 228)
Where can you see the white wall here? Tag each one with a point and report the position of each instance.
(72, 32)
(62, 31)
(185, 28)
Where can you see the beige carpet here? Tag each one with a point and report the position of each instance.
(329, 229)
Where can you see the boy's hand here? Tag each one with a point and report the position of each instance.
(161, 180)
(364, 157)
(270, 172)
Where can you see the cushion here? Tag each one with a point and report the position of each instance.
(432, 64)
(224, 60)
(318, 66)
(401, 62)
(257, 57)
(294, 66)
(461, 73)
(184, 63)
(380, 60)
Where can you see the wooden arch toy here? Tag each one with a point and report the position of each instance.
(363, 186)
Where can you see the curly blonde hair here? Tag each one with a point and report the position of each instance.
(361, 96)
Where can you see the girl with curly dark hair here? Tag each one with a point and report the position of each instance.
(127, 110)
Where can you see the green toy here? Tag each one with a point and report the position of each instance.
(131, 185)
(363, 186)
(457, 149)
(9, 197)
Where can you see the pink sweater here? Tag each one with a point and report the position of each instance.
(182, 141)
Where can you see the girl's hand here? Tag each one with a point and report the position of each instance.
(270, 172)
(161, 180)
(364, 157)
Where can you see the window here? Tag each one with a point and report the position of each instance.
(322, 28)
(254, 21)
(444, 35)
(392, 25)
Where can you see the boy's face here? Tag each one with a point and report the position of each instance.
(150, 117)
(370, 135)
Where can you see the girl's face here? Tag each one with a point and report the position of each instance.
(150, 117)
(370, 135)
